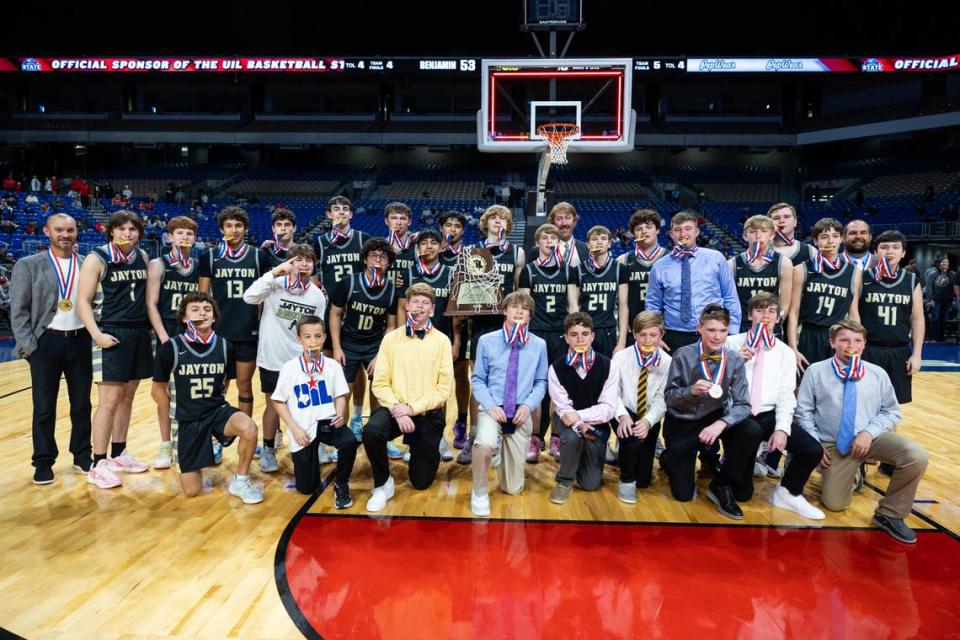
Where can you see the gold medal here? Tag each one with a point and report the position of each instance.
(65, 305)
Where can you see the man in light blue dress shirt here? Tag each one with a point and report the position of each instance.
(507, 395)
(684, 282)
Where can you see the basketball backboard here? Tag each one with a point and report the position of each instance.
(520, 95)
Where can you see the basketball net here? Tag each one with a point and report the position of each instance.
(558, 135)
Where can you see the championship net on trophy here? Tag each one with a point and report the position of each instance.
(476, 284)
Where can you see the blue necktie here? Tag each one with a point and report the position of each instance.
(848, 418)
(686, 291)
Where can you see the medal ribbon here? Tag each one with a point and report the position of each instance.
(705, 368)
(64, 282)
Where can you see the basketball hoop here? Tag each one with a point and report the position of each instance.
(558, 135)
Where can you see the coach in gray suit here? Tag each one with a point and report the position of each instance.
(49, 334)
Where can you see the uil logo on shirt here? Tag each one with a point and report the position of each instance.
(312, 394)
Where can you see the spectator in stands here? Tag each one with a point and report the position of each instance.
(127, 192)
(180, 196)
(912, 267)
(35, 184)
(505, 194)
(152, 196)
(940, 296)
(54, 184)
(48, 186)
(31, 228)
(32, 199)
(84, 193)
(9, 184)
(168, 193)
(6, 259)
(107, 191)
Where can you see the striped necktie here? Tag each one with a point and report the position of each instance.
(642, 392)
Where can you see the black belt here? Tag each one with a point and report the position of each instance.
(66, 334)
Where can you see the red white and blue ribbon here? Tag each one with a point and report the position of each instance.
(595, 266)
(413, 326)
(310, 365)
(401, 243)
(192, 334)
(278, 248)
(821, 263)
(583, 360)
(786, 240)
(646, 360)
(64, 281)
(178, 258)
(335, 235)
(428, 271)
(647, 257)
(884, 271)
(225, 251)
(515, 334)
(853, 370)
(296, 281)
(451, 248)
(552, 260)
(717, 376)
(680, 251)
(760, 338)
(757, 250)
(117, 256)
(501, 242)
(372, 278)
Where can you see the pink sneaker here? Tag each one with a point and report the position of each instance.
(533, 451)
(555, 447)
(104, 475)
(128, 464)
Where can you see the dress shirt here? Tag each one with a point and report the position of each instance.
(779, 379)
(490, 371)
(413, 371)
(606, 406)
(626, 361)
(710, 280)
(820, 402)
(685, 371)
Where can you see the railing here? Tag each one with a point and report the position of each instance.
(150, 245)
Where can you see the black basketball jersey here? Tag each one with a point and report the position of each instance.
(750, 282)
(548, 286)
(506, 264)
(449, 258)
(638, 279)
(338, 260)
(174, 285)
(825, 298)
(124, 289)
(402, 263)
(886, 307)
(275, 260)
(440, 282)
(599, 293)
(800, 253)
(199, 376)
(230, 277)
(365, 311)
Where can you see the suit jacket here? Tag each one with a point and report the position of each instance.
(33, 300)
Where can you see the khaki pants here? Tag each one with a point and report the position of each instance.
(907, 456)
(513, 455)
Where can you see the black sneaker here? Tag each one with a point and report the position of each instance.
(896, 528)
(43, 475)
(722, 496)
(82, 465)
(342, 499)
(886, 468)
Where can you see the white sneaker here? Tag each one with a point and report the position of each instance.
(783, 499)
(380, 495)
(759, 469)
(323, 454)
(248, 493)
(480, 505)
(446, 453)
(627, 492)
(774, 473)
(126, 463)
(268, 460)
(104, 475)
(164, 456)
(406, 456)
(610, 456)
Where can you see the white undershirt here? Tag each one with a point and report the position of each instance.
(67, 320)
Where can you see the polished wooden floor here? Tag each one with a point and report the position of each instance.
(144, 562)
